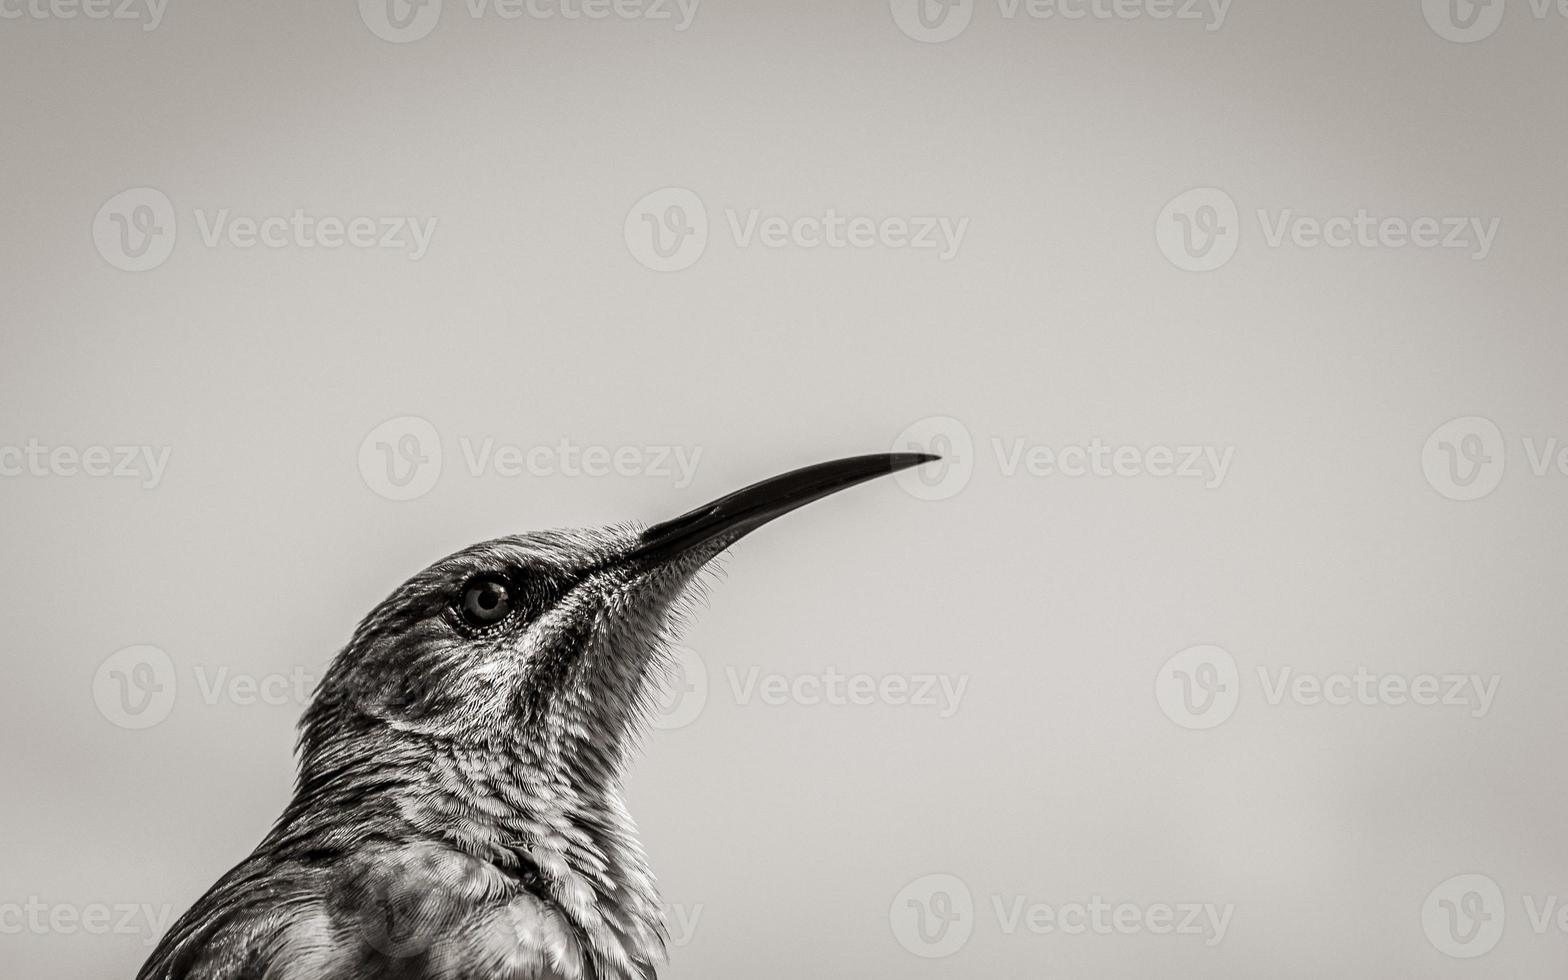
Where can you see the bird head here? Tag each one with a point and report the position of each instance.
(546, 645)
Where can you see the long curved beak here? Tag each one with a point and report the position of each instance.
(746, 510)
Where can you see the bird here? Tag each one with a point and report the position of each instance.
(458, 811)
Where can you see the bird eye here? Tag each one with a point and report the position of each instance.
(486, 601)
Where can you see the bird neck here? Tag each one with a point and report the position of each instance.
(570, 839)
(561, 832)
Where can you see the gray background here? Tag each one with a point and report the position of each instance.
(788, 829)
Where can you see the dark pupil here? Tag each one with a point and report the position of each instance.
(486, 602)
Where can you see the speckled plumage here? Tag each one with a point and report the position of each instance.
(458, 812)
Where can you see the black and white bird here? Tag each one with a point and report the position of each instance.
(458, 813)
